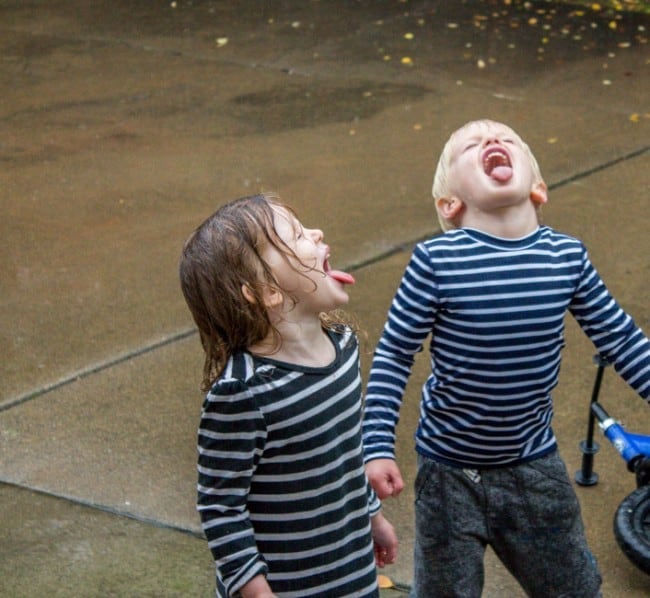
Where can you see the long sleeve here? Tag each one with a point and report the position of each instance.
(613, 332)
(227, 457)
(410, 320)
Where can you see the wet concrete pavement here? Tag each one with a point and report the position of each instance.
(124, 124)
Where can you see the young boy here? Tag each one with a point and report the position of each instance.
(492, 292)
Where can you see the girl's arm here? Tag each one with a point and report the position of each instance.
(257, 587)
(230, 441)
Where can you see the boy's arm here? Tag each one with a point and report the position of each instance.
(612, 331)
(231, 436)
(410, 320)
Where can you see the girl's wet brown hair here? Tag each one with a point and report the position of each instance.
(221, 256)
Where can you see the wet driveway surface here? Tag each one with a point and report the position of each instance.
(123, 124)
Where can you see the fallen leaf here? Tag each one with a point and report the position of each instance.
(384, 582)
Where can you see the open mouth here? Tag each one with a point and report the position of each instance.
(338, 275)
(497, 165)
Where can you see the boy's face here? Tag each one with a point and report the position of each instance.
(489, 167)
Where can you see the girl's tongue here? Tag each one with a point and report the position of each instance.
(342, 277)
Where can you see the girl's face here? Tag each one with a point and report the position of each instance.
(306, 276)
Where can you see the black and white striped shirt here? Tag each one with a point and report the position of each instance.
(495, 310)
(282, 489)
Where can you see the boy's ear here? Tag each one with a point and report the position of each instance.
(272, 296)
(538, 194)
(449, 207)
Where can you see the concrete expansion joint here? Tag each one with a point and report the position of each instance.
(95, 369)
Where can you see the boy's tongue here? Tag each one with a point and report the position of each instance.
(501, 173)
(342, 277)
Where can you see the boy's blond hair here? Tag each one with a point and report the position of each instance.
(440, 186)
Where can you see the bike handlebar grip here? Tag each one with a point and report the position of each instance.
(599, 412)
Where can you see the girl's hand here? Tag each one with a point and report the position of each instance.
(257, 587)
(385, 540)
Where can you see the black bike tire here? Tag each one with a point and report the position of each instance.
(632, 527)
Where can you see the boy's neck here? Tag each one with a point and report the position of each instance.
(509, 223)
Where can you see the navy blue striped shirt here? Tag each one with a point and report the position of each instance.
(282, 489)
(495, 311)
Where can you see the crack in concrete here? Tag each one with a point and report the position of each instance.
(183, 334)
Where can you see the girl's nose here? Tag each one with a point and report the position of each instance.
(316, 234)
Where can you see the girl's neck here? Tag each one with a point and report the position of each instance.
(305, 344)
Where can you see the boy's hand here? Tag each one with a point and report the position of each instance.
(385, 539)
(384, 477)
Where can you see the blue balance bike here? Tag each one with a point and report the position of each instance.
(632, 518)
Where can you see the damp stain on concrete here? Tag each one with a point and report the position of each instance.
(296, 106)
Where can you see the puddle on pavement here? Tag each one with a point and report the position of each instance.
(295, 106)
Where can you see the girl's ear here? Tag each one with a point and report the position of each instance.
(538, 194)
(247, 293)
(272, 296)
(449, 207)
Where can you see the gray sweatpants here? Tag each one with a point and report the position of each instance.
(529, 514)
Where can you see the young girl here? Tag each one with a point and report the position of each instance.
(282, 493)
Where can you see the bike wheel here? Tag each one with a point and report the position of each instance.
(632, 527)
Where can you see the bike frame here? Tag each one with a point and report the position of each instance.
(633, 448)
(632, 517)
(629, 445)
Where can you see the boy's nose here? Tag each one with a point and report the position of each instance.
(491, 139)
